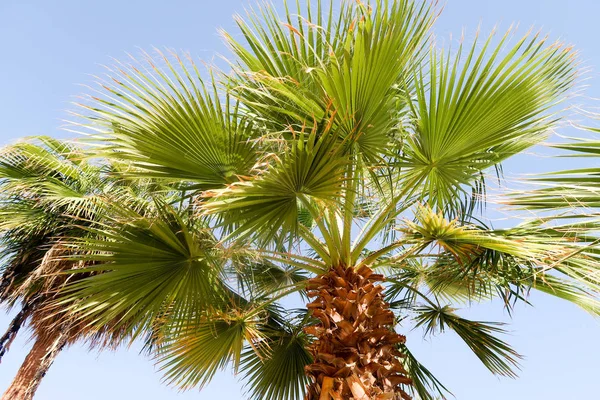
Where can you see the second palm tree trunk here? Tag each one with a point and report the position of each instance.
(36, 364)
(356, 352)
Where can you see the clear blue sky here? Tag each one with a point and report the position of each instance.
(50, 46)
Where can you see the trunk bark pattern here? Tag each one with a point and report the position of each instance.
(36, 364)
(14, 327)
(355, 353)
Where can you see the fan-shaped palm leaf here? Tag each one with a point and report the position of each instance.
(472, 113)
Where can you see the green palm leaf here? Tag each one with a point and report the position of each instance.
(170, 124)
(304, 70)
(471, 113)
(278, 373)
(310, 171)
(147, 265)
(495, 354)
(192, 354)
(567, 190)
(425, 384)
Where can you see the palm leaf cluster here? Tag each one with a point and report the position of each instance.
(50, 195)
(340, 138)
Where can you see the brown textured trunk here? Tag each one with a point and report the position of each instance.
(36, 364)
(355, 353)
(14, 327)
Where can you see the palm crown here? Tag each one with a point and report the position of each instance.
(341, 160)
(50, 195)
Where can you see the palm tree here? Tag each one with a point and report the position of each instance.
(49, 194)
(342, 162)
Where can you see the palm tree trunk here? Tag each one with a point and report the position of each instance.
(14, 327)
(356, 352)
(36, 364)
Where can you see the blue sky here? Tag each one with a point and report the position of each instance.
(50, 47)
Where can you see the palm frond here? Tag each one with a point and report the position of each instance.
(494, 353)
(278, 373)
(346, 70)
(474, 262)
(425, 384)
(169, 123)
(191, 354)
(311, 171)
(471, 113)
(261, 277)
(142, 265)
(572, 191)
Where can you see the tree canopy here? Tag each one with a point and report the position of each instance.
(344, 138)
